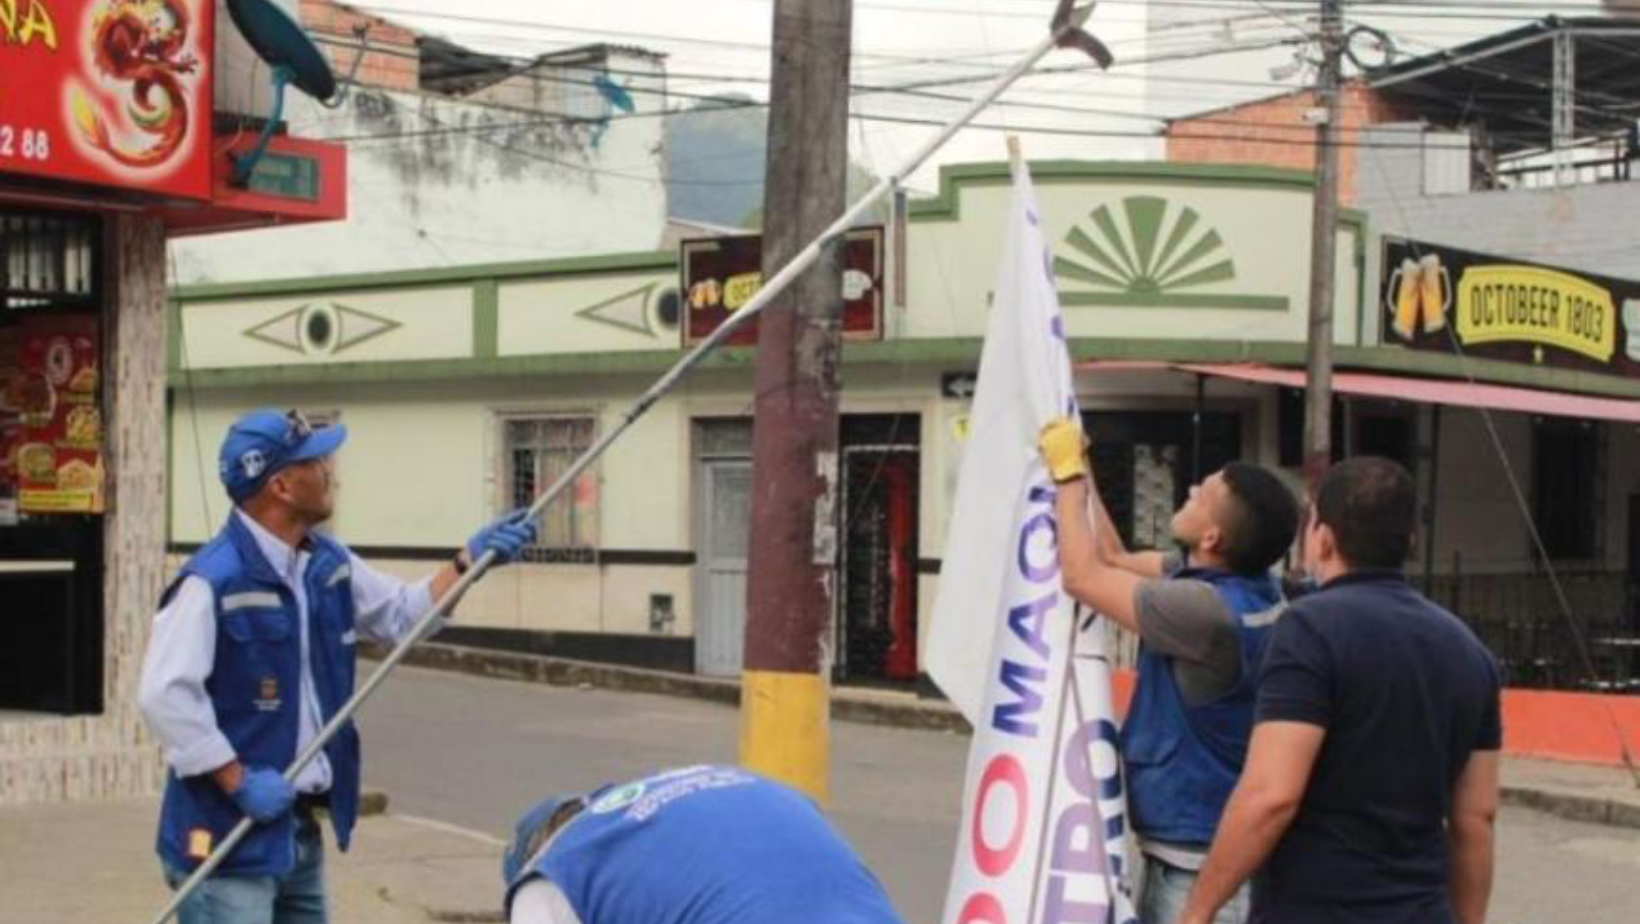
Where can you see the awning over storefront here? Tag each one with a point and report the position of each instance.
(1402, 388)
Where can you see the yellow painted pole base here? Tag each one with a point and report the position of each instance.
(784, 720)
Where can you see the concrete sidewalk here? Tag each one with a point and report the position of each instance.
(93, 863)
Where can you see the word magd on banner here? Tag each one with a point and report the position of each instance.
(1445, 300)
(1043, 832)
(1043, 836)
(118, 93)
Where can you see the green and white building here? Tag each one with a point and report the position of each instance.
(1185, 294)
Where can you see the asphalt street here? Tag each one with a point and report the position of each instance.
(474, 752)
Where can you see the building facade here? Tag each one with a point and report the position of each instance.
(466, 391)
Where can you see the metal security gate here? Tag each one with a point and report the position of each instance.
(725, 527)
(877, 596)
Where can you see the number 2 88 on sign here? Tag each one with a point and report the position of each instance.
(26, 143)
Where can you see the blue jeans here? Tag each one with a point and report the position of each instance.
(1165, 889)
(298, 898)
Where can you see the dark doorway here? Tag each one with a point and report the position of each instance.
(877, 602)
(51, 636)
(1567, 464)
(1634, 564)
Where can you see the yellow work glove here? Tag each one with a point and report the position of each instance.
(1064, 449)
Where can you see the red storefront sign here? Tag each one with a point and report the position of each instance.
(720, 275)
(117, 93)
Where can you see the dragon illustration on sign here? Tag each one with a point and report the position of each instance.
(142, 43)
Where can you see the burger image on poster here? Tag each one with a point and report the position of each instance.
(1631, 321)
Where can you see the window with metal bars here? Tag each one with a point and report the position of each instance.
(47, 261)
(538, 451)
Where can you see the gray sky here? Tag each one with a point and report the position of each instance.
(718, 46)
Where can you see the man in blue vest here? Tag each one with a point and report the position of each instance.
(696, 845)
(1371, 785)
(252, 653)
(1203, 617)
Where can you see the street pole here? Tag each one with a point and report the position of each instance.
(792, 562)
(1323, 254)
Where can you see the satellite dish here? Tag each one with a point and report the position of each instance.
(295, 60)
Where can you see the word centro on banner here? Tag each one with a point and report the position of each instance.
(1045, 835)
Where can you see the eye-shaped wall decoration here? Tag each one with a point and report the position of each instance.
(321, 329)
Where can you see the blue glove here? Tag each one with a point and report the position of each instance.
(263, 794)
(506, 536)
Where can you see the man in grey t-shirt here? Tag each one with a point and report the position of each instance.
(1202, 616)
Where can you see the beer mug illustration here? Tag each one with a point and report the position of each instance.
(1404, 283)
(1435, 292)
(1631, 320)
(1421, 291)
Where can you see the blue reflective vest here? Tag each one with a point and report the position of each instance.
(255, 688)
(707, 845)
(1182, 760)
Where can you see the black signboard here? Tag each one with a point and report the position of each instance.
(1455, 301)
(721, 274)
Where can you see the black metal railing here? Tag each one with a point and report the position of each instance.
(1538, 643)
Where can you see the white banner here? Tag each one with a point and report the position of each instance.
(1043, 835)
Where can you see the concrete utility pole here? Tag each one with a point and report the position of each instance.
(785, 701)
(1323, 253)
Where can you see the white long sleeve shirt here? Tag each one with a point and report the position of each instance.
(182, 649)
(540, 901)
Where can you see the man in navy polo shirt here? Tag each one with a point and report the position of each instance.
(252, 653)
(1372, 778)
(696, 845)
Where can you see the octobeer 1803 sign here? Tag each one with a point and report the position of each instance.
(1439, 298)
(118, 93)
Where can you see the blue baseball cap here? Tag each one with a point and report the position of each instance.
(518, 852)
(263, 442)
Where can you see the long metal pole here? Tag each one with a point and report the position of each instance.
(666, 383)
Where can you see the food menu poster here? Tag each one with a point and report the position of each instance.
(52, 395)
(11, 426)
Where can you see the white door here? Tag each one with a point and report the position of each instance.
(720, 626)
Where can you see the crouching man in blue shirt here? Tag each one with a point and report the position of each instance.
(252, 653)
(1372, 779)
(697, 845)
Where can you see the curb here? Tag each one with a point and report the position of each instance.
(860, 706)
(867, 708)
(1574, 806)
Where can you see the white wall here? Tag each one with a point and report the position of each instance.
(425, 190)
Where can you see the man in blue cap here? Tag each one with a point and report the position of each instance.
(252, 653)
(696, 845)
